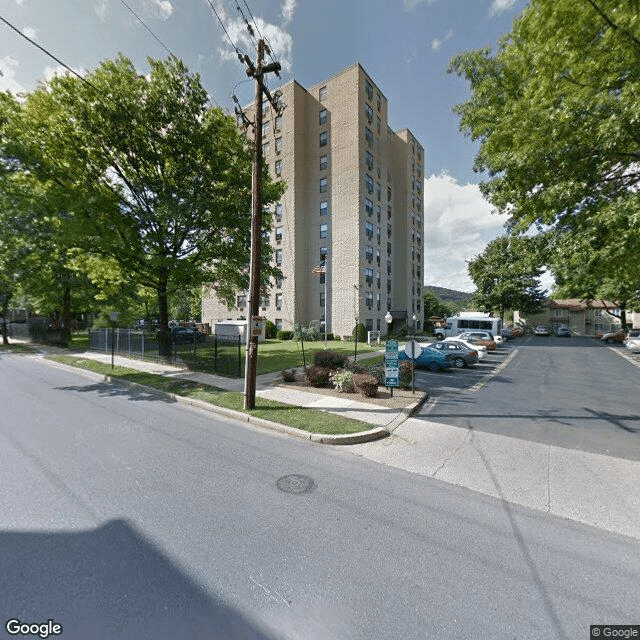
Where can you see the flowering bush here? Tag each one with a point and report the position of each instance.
(366, 384)
(343, 380)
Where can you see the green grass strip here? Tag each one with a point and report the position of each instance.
(310, 420)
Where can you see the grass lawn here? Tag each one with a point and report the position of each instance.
(308, 420)
(17, 347)
(276, 355)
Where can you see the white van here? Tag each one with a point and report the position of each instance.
(469, 321)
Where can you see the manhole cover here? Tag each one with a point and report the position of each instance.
(295, 484)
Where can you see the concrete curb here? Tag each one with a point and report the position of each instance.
(320, 438)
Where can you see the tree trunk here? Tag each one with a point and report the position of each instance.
(65, 329)
(164, 335)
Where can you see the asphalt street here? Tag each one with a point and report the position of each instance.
(123, 515)
(574, 393)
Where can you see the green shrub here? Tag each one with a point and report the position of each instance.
(336, 338)
(404, 379)
(343, 380)
(284, 335)
(362, 332)
(375, 370)
(330, 336)
(270, 330)
(330, 359)
(366, 384)
(317, 376)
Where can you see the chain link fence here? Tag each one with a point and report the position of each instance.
(211, 354)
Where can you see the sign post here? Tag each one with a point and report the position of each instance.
(413, 350)
(391, 371)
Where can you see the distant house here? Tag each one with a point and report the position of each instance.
(586, 317)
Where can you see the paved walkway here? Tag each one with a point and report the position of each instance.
(598, 490)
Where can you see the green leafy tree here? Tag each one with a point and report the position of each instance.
(158, 180)
(556, 112)
(506, 275)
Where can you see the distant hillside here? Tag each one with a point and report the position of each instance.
(449, 295)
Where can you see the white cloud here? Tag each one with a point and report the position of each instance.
(279, 39)
(30, 32)
(101, 9)
(51, 72)
(410, 5)
(458, 225)
(288, 9)
(500, 6)
(19, 1)
(8, 82)
(163, 8)
(436, 43)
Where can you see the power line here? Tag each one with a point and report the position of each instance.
(50, 55)
(263, 37)
(241, 55)
(166, 48)
(141, 21)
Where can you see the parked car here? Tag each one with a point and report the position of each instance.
(463, 355)
(563, 332)
(614, 336)
(480, 337)
(541, 330)
(481, 349)
(633, 344)
(184, 335)
(430, 358)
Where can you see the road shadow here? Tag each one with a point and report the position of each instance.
(115, 388)
(110, 583)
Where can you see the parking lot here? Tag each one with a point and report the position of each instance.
(468, 378)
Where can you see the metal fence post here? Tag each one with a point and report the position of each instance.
(215, 354)
(239, 356)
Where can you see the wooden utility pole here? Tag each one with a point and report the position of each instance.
(251, 367)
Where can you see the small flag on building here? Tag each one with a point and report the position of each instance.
(320, 269)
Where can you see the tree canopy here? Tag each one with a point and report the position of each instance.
(143, 175)
(556, 112)
(507, 276)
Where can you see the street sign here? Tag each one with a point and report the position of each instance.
(412, 349)
(391, 364)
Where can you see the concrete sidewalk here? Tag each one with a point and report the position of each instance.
(599, 490)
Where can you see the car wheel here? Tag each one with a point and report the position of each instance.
(609, 340)
(458, 363)
(433, 366)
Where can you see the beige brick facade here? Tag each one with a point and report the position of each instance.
(346, 169)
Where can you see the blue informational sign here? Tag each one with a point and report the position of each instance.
(391, 372)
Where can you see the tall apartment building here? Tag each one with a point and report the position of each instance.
(354, 203)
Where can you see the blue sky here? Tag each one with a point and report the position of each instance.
(405, 46)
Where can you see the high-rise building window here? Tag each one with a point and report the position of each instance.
(241, 301)
(278, 301)
(264, 301)
(368, 89)
(368, 299)
(279, 209)
(265, 148)
(322, 299)
(368, 112)
(378, 100)
(279, 324)
(324, 208)
(368, 136)
(369, 182)
(322, 94)
(324, 230)
(368, 160)
(378, 123)
(265, 129)
(323, 116)
(368, 206)
(279, 233)
(279, 282)
(388, 304)
(368, 229)
(279, 257)
(265, 107)
(278, 167)
(277, 123)
(324, 162)
(278, 144)
(368, 276)
(324, 185)
(368, 252)
(324, 138)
